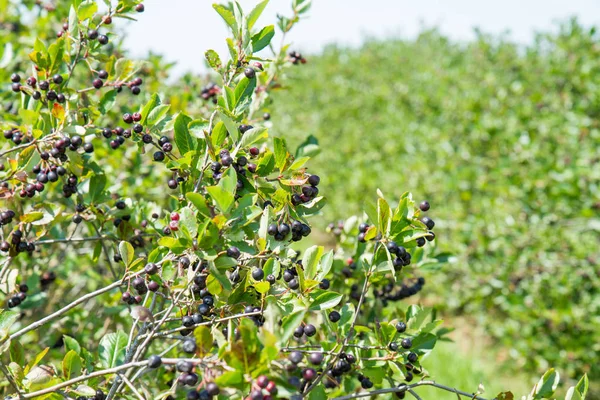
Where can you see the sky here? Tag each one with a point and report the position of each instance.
(182, 30)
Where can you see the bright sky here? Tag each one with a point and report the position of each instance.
(183, 29)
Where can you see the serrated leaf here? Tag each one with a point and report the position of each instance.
(213, 60)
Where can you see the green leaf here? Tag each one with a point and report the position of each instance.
(97, 185)
(231, 126)
(311, 258)
(213, 60)
(107, 101)
(262, 287)
(7, 318)
(17, 353)
(325, 265)
(157, 114)
(223, 198)
(126, 251)
(204, 340)
(87, 9)
(31, 217)
(256, 13)
(272, 267)
(36, 360)
(188, 220)
(111, 350)
(383, 216)
(253, 135)
(150, 105)
(325, 301)
(219, 134)
(199, 202)
(578, 392)
(281, 153)
(547, 385)
(262, 38)
(244, 91)
(290, 323)
(184, 141)
(71, 365)
(71, 344)
(227, 17)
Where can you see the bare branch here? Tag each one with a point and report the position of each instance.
(409, 388)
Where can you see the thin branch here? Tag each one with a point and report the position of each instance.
(70, 306)
(133, 389)
(74, 240)
(408, 388)
(84, 378)
(416, 396)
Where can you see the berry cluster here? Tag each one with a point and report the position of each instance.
(262, 389)
(6, 217)
(391, 292)
(296, 58)
(210, 91)
(19, 297)
(46, 279)
(17, 242)
(309, 192)
(49, 87)
(16, 136)
(281, 231)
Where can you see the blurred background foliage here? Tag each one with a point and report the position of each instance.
(502, 140)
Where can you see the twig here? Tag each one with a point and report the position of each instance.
(84, 378)
(74, 240)
(405, 388)
(69, 306)
(133, 389)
